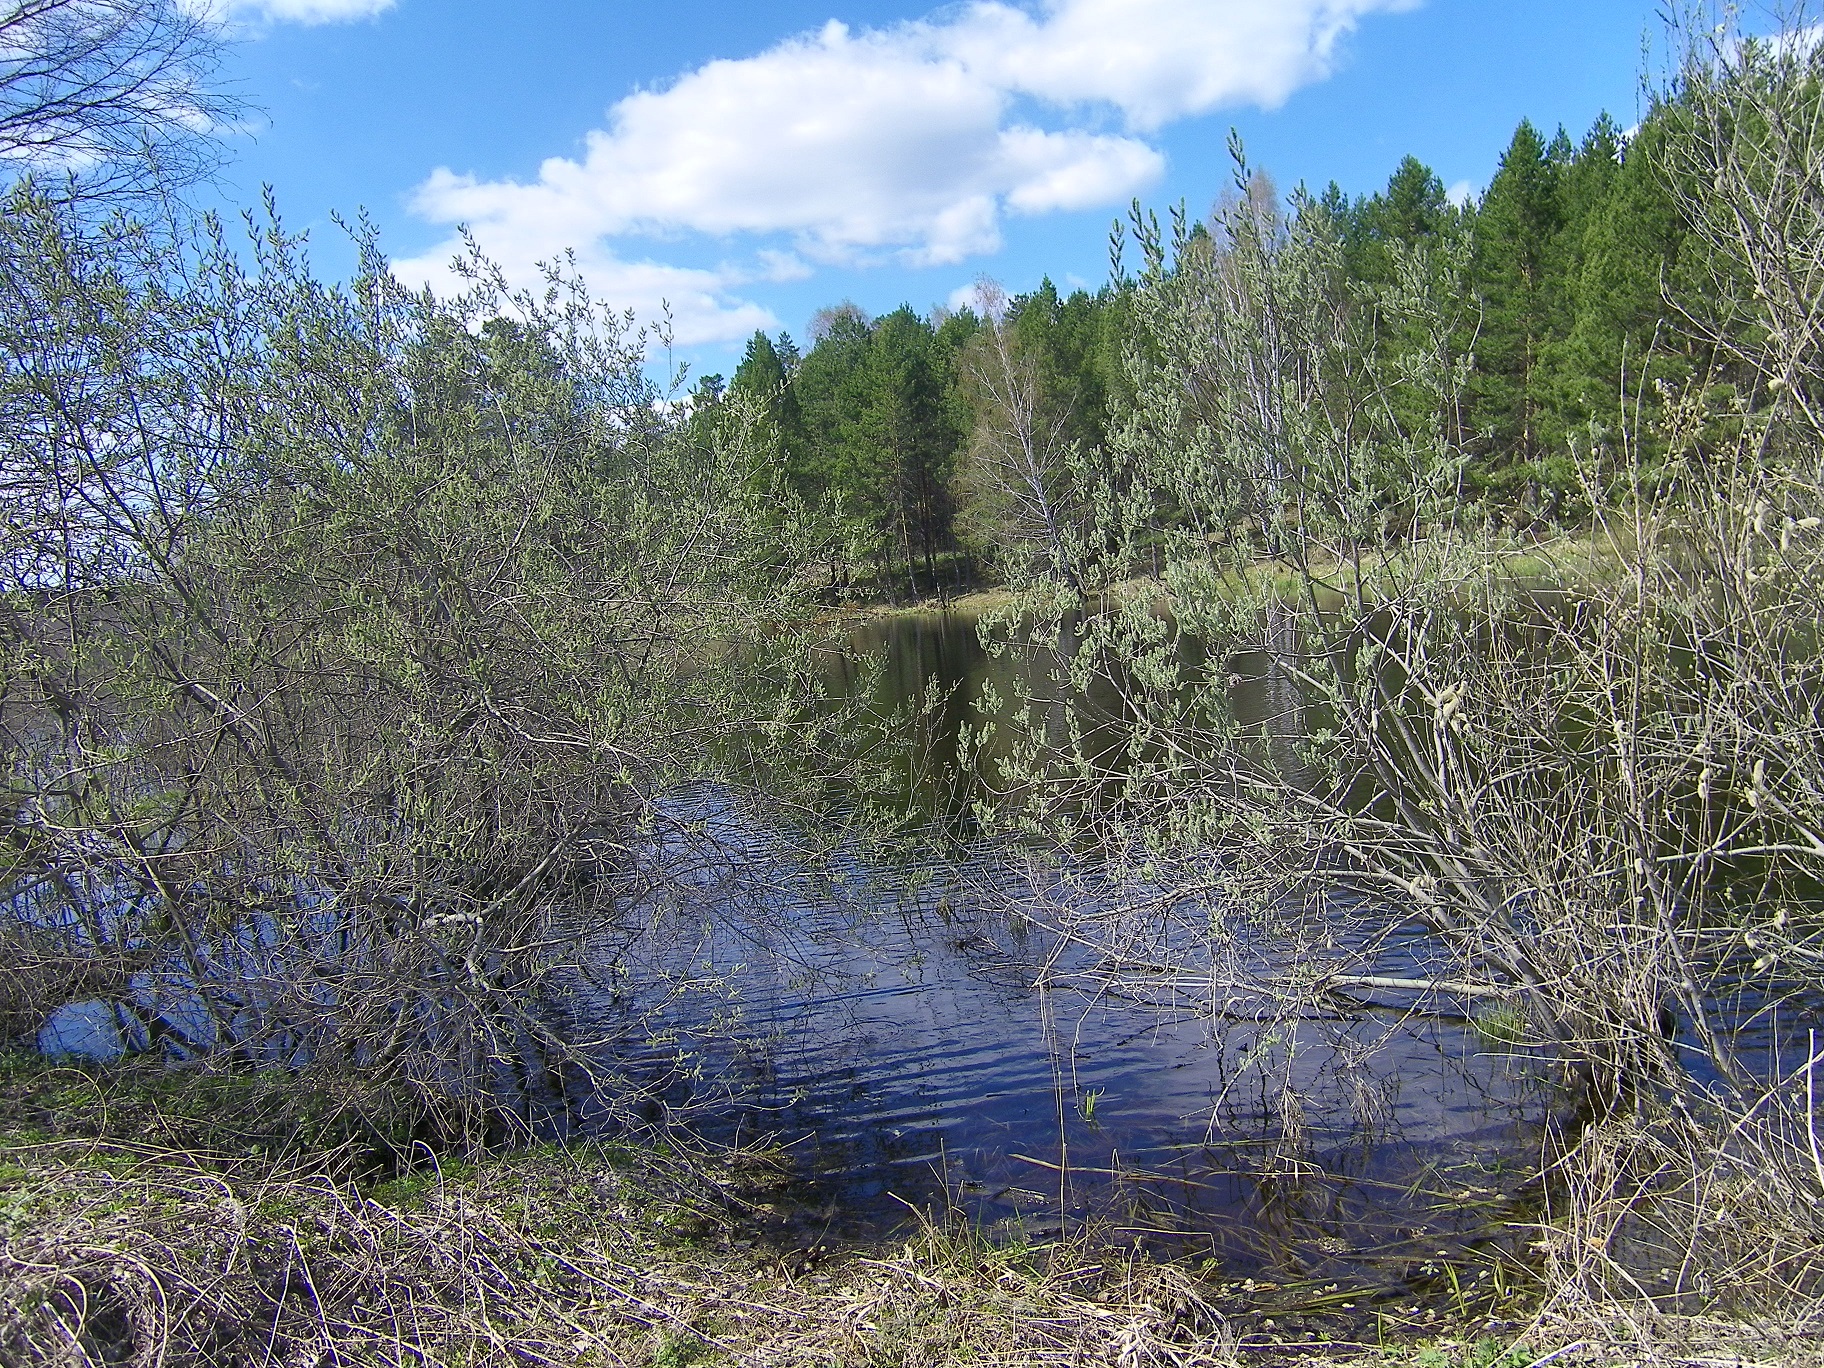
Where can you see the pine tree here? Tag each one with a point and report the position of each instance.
(766, 375)
(1515, 230)
(827, 390)
(1621, 338)
(762, 373)
(902, 442)
(1414, 209)
(1587, 183)
(1410, 225)
(1065, 340)
(881, 425)
(1347, 217)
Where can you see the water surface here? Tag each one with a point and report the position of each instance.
(939, 1043)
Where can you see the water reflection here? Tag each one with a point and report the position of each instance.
(942, 1041)
(924, 678)
(948, 1036)
(898, 1046)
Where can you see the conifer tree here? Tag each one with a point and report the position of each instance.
(878, 420)
(765, 375)
(1516, 227)
(1413, 209)
(1065, 339)
(902, 440)
(826, 387)
(1620, 340)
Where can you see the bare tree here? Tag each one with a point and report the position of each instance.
(349, 680)
(1749, 173)
(1021, 483)
(109, 98)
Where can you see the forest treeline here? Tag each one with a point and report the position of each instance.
(1569, 275)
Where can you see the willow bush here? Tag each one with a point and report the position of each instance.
(355, 640)
(1591, 775)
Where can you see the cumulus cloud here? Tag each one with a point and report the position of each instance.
(851, 144)
(783, 266)
(296, 11)
(910, 143)
(1156, 60)
(702, 305)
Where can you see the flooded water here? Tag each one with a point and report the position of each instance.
(944, 1043)
(943, 1032)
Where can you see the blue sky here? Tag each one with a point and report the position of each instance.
(749, 163)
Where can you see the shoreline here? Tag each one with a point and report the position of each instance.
(135, 1216)
(1558, 558)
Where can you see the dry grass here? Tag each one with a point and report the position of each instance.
(118, 1250)
(1556, 557)
(117, 1254)
(1677, 1232)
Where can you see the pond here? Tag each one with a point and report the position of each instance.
(943, 1032)
(941, 1042)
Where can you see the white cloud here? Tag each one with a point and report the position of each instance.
(852, 145)
(700, 303)
(783, 266)
(1073, 170)
(1461, 194)
(298, 11)
(910, 143)
(1156, 60)
(1729, 43)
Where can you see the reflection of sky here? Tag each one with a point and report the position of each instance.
(89, 1030)
(904, 1049)
(895, 1042)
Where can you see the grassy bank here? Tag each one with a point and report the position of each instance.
(148, 1217)
(1559, 558)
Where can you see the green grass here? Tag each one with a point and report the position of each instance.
(680, 1351)
(1484, 1353)
(1501, 1024)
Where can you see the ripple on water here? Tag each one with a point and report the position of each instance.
(898, 1049)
